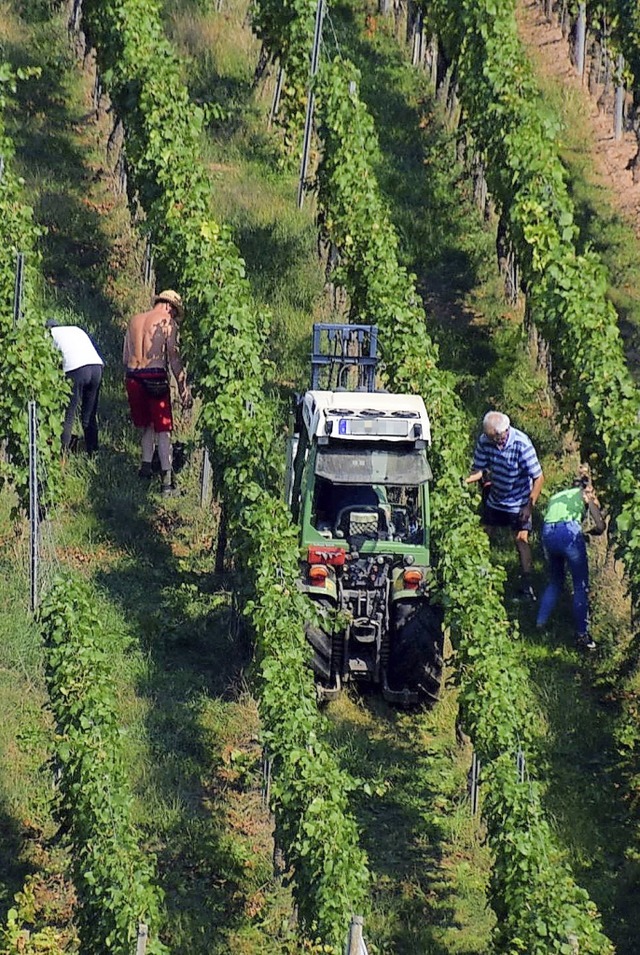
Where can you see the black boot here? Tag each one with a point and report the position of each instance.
(168, 486)
(525, 591)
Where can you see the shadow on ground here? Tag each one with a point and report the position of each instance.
(402, 833)
(197, 653)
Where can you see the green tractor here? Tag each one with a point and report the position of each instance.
(358, 485)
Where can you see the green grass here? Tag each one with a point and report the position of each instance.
(452, 250)
(252, 189)
(425, 848)
(180, 656)
(429, 866)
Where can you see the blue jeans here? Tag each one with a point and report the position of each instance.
(564, 544)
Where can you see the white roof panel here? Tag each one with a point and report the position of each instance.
(362, 415)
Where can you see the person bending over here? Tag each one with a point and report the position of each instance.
(564, 544)
(83, 366)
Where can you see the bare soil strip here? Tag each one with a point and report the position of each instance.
(550, 53)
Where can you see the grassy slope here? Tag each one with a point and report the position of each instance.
(483, 341)
(577, 751)
(179, 652)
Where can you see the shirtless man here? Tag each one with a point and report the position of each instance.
(150, 350)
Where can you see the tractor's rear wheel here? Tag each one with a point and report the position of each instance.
(321, 642)
(415, 658)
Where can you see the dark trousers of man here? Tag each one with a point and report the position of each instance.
(86, 389)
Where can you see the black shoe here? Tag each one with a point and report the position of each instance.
(168, 485)
(178, 457)
(145, 471)
(585, 642)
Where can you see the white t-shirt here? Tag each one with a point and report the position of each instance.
(76, 347)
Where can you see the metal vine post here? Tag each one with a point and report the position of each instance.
(308, 122)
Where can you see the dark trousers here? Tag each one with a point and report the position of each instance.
(86, 389)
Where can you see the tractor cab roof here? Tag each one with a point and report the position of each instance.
(365, 416)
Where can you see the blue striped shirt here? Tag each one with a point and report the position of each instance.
(513, 469)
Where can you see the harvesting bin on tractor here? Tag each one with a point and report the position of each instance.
(358, 485)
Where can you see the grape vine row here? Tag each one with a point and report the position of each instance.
(494, 686)
(30, 369)
(225, 337)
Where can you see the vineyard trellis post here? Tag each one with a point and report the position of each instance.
(432, 61)
(521, 766)
(581, 38)
(75, 16)
(148, 276)
(97, 92)
(143, 937)
(418, 41)
(275, 105)
(355, 942)
(474, 783)
(205, 479)
(308, 122)
(618, 111)
(18, 289)
(34, 506)
(267, 769)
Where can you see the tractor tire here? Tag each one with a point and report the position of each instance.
(415, 658)
(321, 642)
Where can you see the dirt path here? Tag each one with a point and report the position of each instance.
(549, 52)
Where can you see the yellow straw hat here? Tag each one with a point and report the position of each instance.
(171, 298)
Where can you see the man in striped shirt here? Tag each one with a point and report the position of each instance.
(515, 479)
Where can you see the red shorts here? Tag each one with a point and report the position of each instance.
(150, 407)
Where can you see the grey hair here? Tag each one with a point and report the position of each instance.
(495, 421)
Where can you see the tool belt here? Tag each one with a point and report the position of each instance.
(154, 381)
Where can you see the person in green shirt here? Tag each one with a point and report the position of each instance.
(564, 543)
